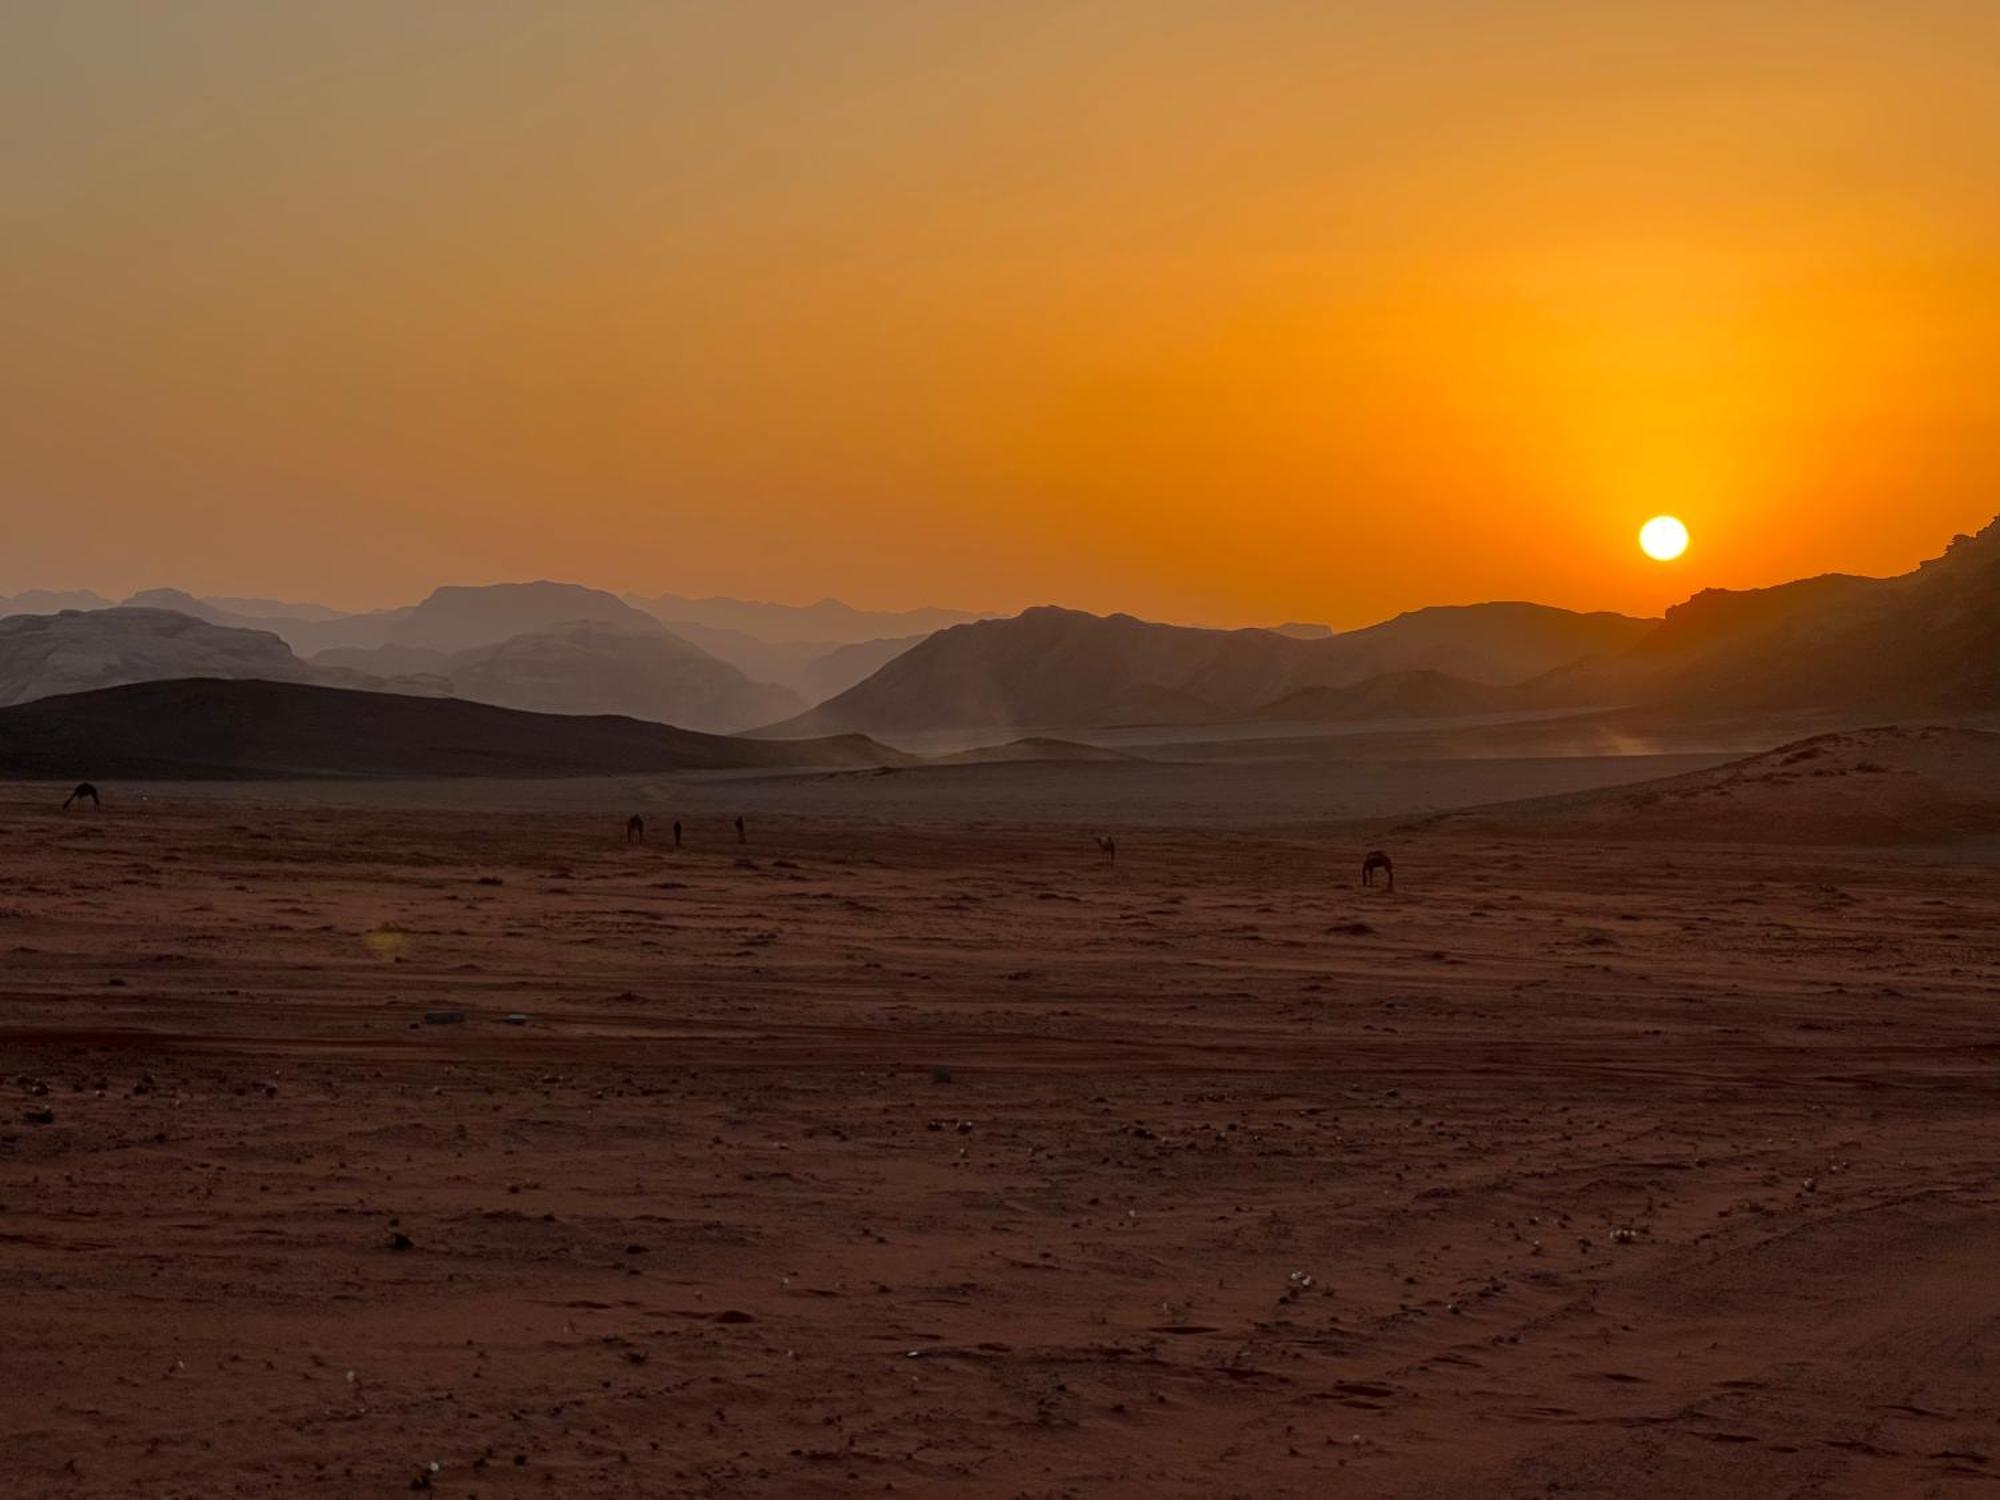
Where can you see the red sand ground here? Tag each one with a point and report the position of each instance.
(1572, 1169)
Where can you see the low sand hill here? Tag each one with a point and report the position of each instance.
(1035, 748)
(213, 728)
(1895, 785)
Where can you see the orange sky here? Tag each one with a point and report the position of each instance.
(1228, 312)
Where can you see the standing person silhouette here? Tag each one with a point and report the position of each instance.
(741, 836)
(677, 833)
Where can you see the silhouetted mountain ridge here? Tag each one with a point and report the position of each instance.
(1927, 640)
(1057, 667)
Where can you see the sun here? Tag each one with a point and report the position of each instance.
(1663, 538)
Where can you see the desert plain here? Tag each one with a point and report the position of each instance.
(361, 1140)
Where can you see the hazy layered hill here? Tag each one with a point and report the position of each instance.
(255, 728)
(596, 667)
(50, 601)
(615, 661)
(836, 671)
(815, 670)
(1928, 640)
(243, 612)
(456, 618)
(1057, 667)
(42, 655)
(827, 623)
(451, 618)
(278, 609)
(1502, 642)
(306, 628)
(385, 661)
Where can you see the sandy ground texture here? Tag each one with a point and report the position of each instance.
(1297, 795)
(941, 1161)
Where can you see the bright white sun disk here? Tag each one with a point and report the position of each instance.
(1663, 538)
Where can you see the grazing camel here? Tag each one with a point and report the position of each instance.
(1108, 846)
(677, 833)
(741, 836)
(635, 829)
(83, 790)
(1377, 860)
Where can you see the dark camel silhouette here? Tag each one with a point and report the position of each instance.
(741, 836)
(83, 790)
(1375, 860)
(1109, 847)
(635, 829)
(677, 833)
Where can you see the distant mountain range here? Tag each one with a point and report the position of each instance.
(415, 640)
(1928, 641)
(620, 662)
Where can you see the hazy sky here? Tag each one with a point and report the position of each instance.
(1230, 312)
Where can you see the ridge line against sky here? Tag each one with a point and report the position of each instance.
(633, 595)
(1241, 313)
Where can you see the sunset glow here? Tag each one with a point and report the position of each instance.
(1230, 314)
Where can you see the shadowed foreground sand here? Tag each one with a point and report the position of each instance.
(1577, 1168)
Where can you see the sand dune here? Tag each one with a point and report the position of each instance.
(1889, 785)
(221, 728)
(1033, 748)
